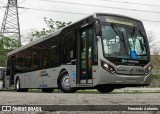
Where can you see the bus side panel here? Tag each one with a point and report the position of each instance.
(46, 78)
(95, 75)
(7, 80)
(40, 79)
(22, 77)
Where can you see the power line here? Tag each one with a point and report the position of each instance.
(1, 9)
(23, 11)
(71, 12)
(148, 11)
(131, 3)
(21, 2)
(53, 10)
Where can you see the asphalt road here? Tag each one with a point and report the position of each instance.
(33, 98)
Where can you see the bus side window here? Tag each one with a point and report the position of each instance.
(45, 54)
(36, 56)
(68, 47)
(19, 61)
(27, 59)
(55, 51)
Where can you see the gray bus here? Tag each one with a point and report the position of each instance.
(2, 75)
(101, 51)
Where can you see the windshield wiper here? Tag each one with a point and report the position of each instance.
(117, 31)
(120, 34)
(142, 55)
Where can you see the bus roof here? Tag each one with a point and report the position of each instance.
(59, 31)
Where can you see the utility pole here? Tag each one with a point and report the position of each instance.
(10, 25)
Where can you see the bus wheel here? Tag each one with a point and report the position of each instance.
(64, 83)
(18, 87)
(47, 90)
(105, 89)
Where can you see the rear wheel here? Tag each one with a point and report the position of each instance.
(18, 86)
(105, 89)
(64, 83)
(47, 90)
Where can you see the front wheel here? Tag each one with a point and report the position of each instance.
(105, 89)
(18, 87)
(64, 83)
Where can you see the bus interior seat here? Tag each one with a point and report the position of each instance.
(114, 48)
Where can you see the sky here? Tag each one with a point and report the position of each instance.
(33, 19)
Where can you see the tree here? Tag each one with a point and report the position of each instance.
(6, 45)
(155, 49)
(152, 41)
(52, 26)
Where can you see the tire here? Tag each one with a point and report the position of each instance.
(47, 90)
(64, 83)
(105, 89)
(18, 86)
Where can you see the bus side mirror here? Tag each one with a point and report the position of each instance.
(98, 28)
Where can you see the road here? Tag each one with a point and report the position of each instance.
(34, 98)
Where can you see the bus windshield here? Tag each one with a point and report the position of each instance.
(120, 41)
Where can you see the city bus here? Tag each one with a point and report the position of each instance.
(2, 74)
(101, 51)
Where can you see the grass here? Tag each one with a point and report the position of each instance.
(93, 91)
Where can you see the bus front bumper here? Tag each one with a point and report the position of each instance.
(108, 78)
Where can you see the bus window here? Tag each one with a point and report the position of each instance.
(19, 61)
(53, 52)
(45, 54)
(27, 59)
(58, 51)
(68, 46)
(36, 56)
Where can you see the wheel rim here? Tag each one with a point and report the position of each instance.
(66, 82)
(17, 84)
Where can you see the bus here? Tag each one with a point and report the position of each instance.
(2, 74)
(101, 51)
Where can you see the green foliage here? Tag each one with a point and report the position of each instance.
(6, 45)
(52, 26)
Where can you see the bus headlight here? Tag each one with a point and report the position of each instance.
(108, 67)
(105, 65)
(148, 70)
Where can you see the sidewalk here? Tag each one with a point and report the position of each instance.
(136, 90)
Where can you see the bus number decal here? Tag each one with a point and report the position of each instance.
(44, 73)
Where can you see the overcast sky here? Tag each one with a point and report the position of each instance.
(33, 19)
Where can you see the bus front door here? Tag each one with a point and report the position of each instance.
(85, 56)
